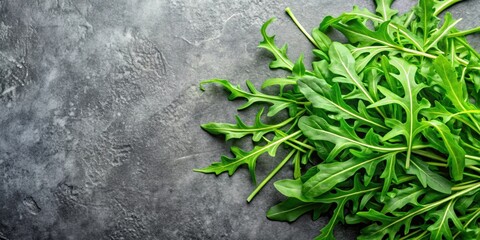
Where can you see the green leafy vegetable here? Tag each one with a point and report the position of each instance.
(280, 54)
(382, 131)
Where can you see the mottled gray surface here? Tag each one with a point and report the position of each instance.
(100, 118)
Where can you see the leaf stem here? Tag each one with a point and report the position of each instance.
(444, 6)
(270, 175)
(296, 141)
(295, 147)
(470, 185)
(309, 147)
(461, 61)
(409, 236)
(429, 155)
(291, 142)
(472, 157)
(466, 183)
(465, 32)
(404, 179)
(459, 188)
(465, 112)
(470, 146)
(424, 54)
(409, 19)
(474, 168)
(443, 160)
(439, 158)
(294, 19)
(471, 175)
(437, 164)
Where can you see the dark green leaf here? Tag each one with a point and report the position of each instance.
(317, 129)
(456, 154)
(254, 96)
(327, 231)
(403, 197)
(328, 98)
(454, 88)
(291, 209)
(343, 64)
(331, 174)
(429, 178)
(441, 228)
(412, 107)
(242, 157)
(389, 174)
(240, 129)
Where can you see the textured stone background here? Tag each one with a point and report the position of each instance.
(100, 116)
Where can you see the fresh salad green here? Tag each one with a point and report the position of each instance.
(382, 131)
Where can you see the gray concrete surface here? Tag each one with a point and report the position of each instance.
(100, 125)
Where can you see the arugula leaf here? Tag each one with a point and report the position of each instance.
(454, 89)
(388, 174)
(411, 126)
(344, 137)
(281, 58)
(298, 71)
(439, 34)
(427, 19)
(255, 96)
(360, 14)
(441, 228)
(291, 188)
(357, 32)
(399, 198)
(384, 10)
(342, 63)
(242, 157)
(240, 129)
(329, 98)
(456, 154)
(331, 174)
(322, 40)
(390, 225)
(429, 178)
(326, 233)
(365, 55)
(292, 208)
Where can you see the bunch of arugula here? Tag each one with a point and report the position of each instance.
(388, 125)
